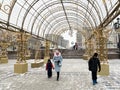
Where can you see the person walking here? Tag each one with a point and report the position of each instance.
(94, 66)
(49, 67)
(76, 46)
(57, 58)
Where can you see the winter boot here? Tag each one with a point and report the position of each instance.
(94, 82)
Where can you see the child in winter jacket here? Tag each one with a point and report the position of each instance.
(49, 67)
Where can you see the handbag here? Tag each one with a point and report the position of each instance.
(59, 63)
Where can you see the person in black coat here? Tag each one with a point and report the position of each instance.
(93, 65)
(49, 67)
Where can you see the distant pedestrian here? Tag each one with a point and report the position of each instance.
(57, 58)
(49, 67)
(75, 47)
(93, 65)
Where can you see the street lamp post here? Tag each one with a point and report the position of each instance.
(117, 28)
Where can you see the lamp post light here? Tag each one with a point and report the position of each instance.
(117, 29)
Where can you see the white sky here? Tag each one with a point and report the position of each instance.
(68, 37)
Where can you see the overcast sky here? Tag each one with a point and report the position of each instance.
(68, 37)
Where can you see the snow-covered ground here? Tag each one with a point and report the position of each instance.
(74, 76)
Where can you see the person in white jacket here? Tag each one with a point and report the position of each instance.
(57, 59)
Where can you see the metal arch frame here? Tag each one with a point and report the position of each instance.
(96, 9)
(52, 29)
(73, 11)
(104, 6)
(90, 1)
(25, 16)
(87, 23)
(29, 10)
(64, 25)
(100, 8)
(75, 28)
(112, 15)
(9, 16)
(100, 17)
(118, 13)
(9, 29)
(92, 6)
(38, 14)
(12, 6)
(22, 6)
(61, 31)
(50, 21)
(40, 25)
(65, 29)
(26, 13)
(63, 7)
(56, 35)
(74, 18)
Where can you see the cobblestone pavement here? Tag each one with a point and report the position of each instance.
(74, 76)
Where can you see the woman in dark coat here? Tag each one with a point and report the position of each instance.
(93, 65)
